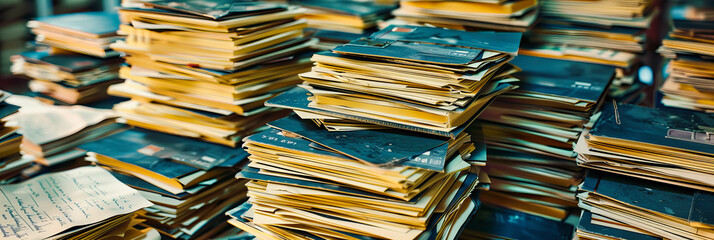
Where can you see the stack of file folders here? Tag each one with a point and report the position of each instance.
(88, 33)
(204, 71)
(602, 31)
(335, 172)
(11, 161)
(654, 174)
(621, 207)
(500, 15)
(191, 182)
(51, 133)
(421, 79)
(336, 22)
(690, 45)
(669, 146)
(78, 67)
(530, 133)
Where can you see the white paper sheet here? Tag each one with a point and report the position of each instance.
(51, 203)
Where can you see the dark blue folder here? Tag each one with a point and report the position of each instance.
(99, 23)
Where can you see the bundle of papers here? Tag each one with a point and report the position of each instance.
(83, 203)
(191, 182)
(422, 79)
(87, 33)
(668, 146)
(50, 133)
(69, 77)
(343, 16)
(690, 84)
(620, 207)
(501, 15)
(336, 22)
(79, 66)
(530, 133)
(381, 184)
(11, 161)
(334, 172)
(204, 70)
(611, 32)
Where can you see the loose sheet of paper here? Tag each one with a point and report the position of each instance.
(49, 204)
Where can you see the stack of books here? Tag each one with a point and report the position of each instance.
(601, 31)
(11, 160)
(336, 22)
(78, 66)
(690, 45)
(377, 148)
(204, 71)
(655, 173)
(500, 15)
(51, 133)
(192, 183)
(530, 133)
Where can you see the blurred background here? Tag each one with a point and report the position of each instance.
(15, 38)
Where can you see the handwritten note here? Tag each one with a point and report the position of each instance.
(49, 204)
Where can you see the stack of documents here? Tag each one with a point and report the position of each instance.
(191, 182)
(83, 203)
(50, 133)
(621, 207)
(69, 77)
(307, 181)
(337, 21)
(343, 16)
(11, 161)
(357, 161)
(422, 79)
(79, 66)
(611, 32)
(669, 146)
(530, 133)
(501, 15)
(203, 69)
(89, 33)
(690, 45)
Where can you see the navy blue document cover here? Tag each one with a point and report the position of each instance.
(68, 62)
(511, 224)
(99, 23)
(379, 147)
(578, 80)
(218, 9)
(169, 155)
(433, 160)
(7, 109)
(688, 131)
(431, 45)
(586, 225)
(356, 8)
(684, 203)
